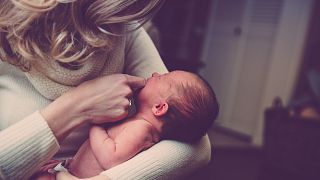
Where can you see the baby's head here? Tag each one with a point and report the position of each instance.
(183, 101)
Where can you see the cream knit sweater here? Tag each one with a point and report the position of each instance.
(26, 141)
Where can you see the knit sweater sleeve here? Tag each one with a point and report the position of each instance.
(25, 146)
(165, 160)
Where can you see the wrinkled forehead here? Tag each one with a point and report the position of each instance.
(182, 77)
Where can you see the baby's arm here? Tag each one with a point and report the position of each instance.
(110, 152)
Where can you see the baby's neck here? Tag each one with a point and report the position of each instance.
(153, 121)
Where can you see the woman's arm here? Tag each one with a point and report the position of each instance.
(100, 100)
(25, 138)
(25, 146)
(27, 143)
(164, 160)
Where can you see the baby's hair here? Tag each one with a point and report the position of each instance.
(191, 111)
(66, 30)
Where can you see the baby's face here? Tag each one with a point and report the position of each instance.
(161, 86)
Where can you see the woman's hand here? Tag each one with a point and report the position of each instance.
(100, 100)
(106, 99)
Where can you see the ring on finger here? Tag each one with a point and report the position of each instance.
(130, 102)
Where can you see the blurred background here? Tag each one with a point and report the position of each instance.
(262, 57)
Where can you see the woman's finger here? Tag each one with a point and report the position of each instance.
(135, 82)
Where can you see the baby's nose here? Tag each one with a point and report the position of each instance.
(155, 74)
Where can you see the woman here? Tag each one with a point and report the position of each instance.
(55, 56)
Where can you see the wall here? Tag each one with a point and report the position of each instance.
(252, 54)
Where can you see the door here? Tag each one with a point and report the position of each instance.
(237, 56)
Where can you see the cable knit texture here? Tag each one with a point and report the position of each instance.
(29, 153)
(52, 80)
(26, 141)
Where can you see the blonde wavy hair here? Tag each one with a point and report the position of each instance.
(65, 30)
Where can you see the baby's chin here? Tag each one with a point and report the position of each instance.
(138, 91)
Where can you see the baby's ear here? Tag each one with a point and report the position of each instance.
(160, 109)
